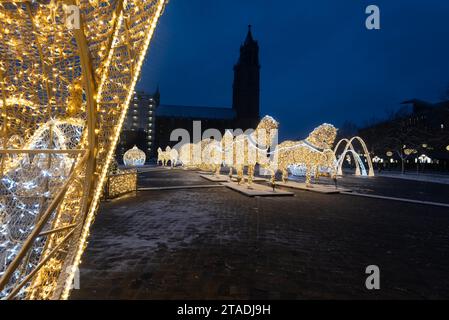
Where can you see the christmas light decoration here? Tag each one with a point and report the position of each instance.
(313, 154)
(169, 154)
(252, 149)
(122, 182)
(51, 75)
(349, 148)
(186, 155)
(134, 157)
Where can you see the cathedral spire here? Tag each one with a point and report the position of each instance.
(249, 36)
(157, 95)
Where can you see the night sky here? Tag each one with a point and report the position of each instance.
(319, 62)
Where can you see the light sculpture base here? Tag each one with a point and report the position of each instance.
(257, 190)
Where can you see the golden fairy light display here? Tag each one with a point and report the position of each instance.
(313, 153)
(313, 156)
(186, 155)
(237, 152)
(169, 155)
(252, 148)
(134, 157)
(122, 182)
(65, 90)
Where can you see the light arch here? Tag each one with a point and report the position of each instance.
(349, 147)
(93, 72)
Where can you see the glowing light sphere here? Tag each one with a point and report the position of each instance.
(134, 157)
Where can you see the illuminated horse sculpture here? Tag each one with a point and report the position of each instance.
(169, 154)
(161, 157)
(250, 150)
(211, 155)
(173, 156)
(204, 155)
(227, 151)
(314, 152)
(186, 155)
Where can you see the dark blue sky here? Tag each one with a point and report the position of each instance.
(319, 62)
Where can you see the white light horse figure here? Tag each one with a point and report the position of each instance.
(252, 149)
(169, 154)
(211, 155)
(172, 155)
(186, 155)
(227, 151)
(161, 157)
(314, 153)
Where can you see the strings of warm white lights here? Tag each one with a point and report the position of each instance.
(134, 157)
(122, 182)
(169, 155)
(314, 153)
(245, 150)
(156, 12)
(27, 181)
(49, 74)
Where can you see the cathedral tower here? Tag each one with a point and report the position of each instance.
(246, 87)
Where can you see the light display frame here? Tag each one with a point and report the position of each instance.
(49, 72)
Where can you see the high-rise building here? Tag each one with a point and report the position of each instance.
(138, 128)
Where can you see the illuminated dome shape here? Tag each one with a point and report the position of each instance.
(134, 157)
(68, 70)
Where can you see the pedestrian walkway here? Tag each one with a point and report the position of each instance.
(215, 243)
(424, 177)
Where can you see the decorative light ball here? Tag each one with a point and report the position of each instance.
(389, 154)
(447, 147)
(134, 157)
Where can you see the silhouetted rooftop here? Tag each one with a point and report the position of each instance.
(195, 112)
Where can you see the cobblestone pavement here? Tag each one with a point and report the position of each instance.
(218, 244)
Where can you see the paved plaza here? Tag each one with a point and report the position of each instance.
(215, 243)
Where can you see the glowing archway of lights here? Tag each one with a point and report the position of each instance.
(49, 72)
(349, 147)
